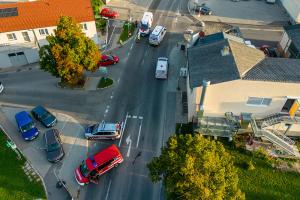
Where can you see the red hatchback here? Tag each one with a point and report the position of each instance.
(108, 60)
(109, 13)
(96, 165)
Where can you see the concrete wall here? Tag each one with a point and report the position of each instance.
(293, 9)
(284, 44)
(232, 97)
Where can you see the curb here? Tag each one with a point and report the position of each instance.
(36, 171)
(106, 86)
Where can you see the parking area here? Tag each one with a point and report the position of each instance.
(248, 12)
(71, 133)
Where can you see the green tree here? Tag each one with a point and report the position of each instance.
(193, 167)
(96, 5)
(69, 52)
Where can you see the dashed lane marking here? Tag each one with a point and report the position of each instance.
(134, 117)
(106, 197)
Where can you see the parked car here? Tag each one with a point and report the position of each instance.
(108, 60)
(1, 88)
(96, 165)
(269, 51)
(109, 13)
(26, 126)
(54, 148)
(44, 116)
(203, 10)
(104, 130)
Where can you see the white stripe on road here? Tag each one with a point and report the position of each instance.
(128, 142)
(106, 111)
(140, 117)
(138, 140)
(134, 117)
(122, 130)
(111, 96)
(106, 197)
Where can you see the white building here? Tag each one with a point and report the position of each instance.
(293, 9)
(25, 25)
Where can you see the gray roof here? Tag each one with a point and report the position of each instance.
(205, 62)
(293, 32)
(276, 70)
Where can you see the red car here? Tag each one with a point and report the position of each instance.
(109, 13)
(108, 60)
(96, 165)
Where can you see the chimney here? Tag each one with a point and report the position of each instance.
(205, 84)
(225, 51)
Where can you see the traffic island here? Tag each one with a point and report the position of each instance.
(127, 32)
(105, 83)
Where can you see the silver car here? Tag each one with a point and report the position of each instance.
(104, 130)
(1, 87)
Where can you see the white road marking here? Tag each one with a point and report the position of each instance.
(140, 117)
(64, 125)
(128, 54)
(106, 197)
(122, 130)
(128, 142)
(131, 46)
(118, 80)
(106, 111)
(134, 117)
(111, 96)
(129, 116)
(138, 140)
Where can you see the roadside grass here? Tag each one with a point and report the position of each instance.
(264, 182)
(105, 82)
(14, 184)
(127, 32)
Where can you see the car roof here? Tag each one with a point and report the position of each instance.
(101, 157)
(103, 126)
(23, 118)
(39, 110)
(50, 136)
(157, 30)
(105, 56)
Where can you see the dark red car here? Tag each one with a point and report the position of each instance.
(109, 13)
(108, 60)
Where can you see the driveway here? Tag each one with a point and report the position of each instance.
(242, 12)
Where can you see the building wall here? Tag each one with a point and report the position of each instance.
(284, 44)
(30, 49)
(232, 97)
(293, 9)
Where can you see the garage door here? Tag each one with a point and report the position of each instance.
(18, 59)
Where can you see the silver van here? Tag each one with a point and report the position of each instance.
(104, 130)
(157, 35)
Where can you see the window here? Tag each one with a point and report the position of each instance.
(44, 31)
(11, 36)
(26, 36)
(258, 101)
(83, 26)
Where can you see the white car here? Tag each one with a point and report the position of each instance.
(162, 68)
(1, 87)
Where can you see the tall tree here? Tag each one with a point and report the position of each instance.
(193, 168)
(69, 52)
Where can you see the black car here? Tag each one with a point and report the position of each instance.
(44, 116)
(54, 148)
(203, 10)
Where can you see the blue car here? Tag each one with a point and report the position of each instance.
(26, 126)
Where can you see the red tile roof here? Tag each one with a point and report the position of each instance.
(44, 13)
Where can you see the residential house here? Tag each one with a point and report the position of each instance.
(289, 44)
(227, 76)
(25, 26)
(292, 7)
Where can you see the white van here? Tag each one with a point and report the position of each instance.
(162, 68)
(157, 35)
(146, 23)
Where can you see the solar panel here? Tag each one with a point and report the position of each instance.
(8, 12)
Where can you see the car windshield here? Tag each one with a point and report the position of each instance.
(27, 127)
(45, 115)
(53, 147)
(84, 170)
(144, 26)
(95, 128)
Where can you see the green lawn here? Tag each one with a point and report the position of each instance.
(128, 30)
(265, 182)
(14, 184)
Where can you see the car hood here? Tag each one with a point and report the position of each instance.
(30, 133)
(49, 120)
(53, 156)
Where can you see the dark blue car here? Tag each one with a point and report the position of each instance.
(44, 116)
(26, 126)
